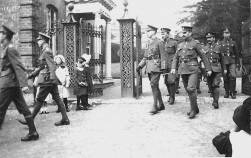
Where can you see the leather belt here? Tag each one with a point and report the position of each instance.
(186, 60)
(229, 55)
(152, 57)
(6, 71)
(214, 60)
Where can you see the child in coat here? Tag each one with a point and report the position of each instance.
(83, 82)
(63, 75)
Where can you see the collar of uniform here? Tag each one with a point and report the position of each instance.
(226, 40)
(153, 40)
(189, 39)
(6, 45)
(168, 40)
(45, 46)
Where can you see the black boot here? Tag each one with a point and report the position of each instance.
(1, 122)
(78, 107)
(172, 94)
(193, 104)
(63, 122)
(216, 95)
(66, 104)
(33, 135)
(232, 94)
(226, 86)
(162, 107)
(154, 110)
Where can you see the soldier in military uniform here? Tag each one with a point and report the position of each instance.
(186, 55)
(13, 81)
(216, 60)
(231, 57)
(151, 60)
(170, 47)
(47, 80)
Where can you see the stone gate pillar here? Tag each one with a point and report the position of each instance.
(126, 55)
(71, 43)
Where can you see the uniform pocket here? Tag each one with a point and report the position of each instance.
(190, 51)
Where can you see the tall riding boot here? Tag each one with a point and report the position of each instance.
(168, 90)
(193, 104)
(226, 86)
(216, 95)
(66, 104)
(172, 94)
(177, 83)
(64, 120)
(1, 122)
(235, 91)
(155, 98)
(232, 89)
(32, 135)
(35, 111)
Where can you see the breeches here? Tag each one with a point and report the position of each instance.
(7, 95)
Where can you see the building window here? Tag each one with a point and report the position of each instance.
(52, 27)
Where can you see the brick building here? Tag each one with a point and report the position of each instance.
(26, 18)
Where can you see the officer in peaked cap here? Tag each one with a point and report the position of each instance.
(48, 84)
(216, 60)
(170, 47)
(187, 28)
(13, 81)
(151, 61)
(231, 55)
(186, 57)
(9, 33)
(151, 28)
(43, 36)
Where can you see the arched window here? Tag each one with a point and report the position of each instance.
(52, 20)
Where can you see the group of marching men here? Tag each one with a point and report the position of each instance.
(167, 57)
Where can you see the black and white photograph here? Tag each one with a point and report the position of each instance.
(125, 78)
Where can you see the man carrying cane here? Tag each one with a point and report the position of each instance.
(187, 54)
(170, 47)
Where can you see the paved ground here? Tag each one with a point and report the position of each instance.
(122, 128)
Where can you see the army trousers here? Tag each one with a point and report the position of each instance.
(230, 78)
(15, 94)
(43, 93)
(154, 81)
(213, 82)
(190, 83)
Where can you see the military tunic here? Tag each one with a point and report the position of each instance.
(231, 58)
(12, 78)
(151, 61)
(188, 67)
(170, 47)
(216, 60)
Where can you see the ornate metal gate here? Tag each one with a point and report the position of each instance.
(246, 58)
(138, 83)
(91, 38)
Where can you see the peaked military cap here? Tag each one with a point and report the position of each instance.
(187, 28)
(151, 28)
(226, 29)
(7, 30)
(165, 30)
(43, 36)
(210, 34)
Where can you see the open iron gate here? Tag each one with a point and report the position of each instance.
(138, 83)
(91, 38)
